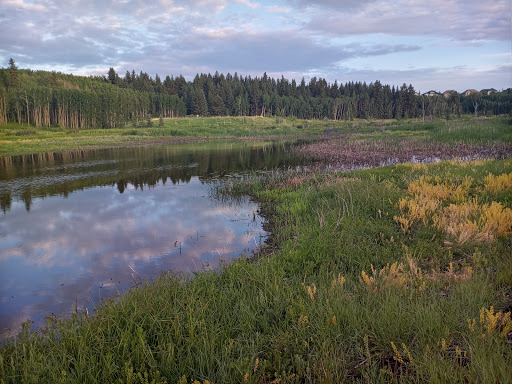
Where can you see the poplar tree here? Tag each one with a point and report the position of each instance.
(49, 98)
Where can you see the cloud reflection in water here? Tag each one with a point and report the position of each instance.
(82, 247)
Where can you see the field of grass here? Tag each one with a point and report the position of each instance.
(466, 130)
(396, 274)
(471, 131)
(18, 139)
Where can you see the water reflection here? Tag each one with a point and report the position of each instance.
(61, 173)
(144, 209)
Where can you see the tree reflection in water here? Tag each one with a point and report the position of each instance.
(76, 223)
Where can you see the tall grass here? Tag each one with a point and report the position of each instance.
(467, 130)
(345, 296)
(474, 131)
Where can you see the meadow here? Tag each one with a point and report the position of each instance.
(17, 139)
(399, 274)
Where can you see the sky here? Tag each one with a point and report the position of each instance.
(433, 45)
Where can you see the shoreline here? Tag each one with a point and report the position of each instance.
(401, 271)
(332, 230)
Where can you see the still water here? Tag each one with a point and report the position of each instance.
(80, 226)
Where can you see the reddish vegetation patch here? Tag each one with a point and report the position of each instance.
(345, 155)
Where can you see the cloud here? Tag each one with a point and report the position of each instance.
(217, 33)
(290, 37)
(426, 78)
(455, 19)
(277, 9)
(37, 6)
(287, 51)
(208, 5)
(331, 4)
(248, 3)
(70, 250)
(60, 39)
(78, 35)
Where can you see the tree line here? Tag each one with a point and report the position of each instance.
(48, 98)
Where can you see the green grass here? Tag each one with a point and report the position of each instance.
(474, 131)
(466, 130)
(285, 317)
(18, 139)
(280, 317)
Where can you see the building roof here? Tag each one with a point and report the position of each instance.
(432, 93)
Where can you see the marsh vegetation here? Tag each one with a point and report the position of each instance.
(400, 273)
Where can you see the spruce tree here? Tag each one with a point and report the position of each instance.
(112, 76)
(13, 74)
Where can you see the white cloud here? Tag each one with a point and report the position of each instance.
(455, 19)
(426, 78)
(248, 3)
(503, 55)
(207, 6)
(277, 9)
(331, 4)
(37, 6)
(318, 36)
(219, 33)
(289, 51)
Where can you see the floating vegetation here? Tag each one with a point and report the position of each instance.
(345, 154)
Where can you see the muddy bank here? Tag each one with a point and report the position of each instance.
(343, 154)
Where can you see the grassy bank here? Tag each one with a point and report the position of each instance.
(396, 274)
(16, 139)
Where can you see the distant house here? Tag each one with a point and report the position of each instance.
(468, 92)
(432, 93)
(488, 91)
(446, 94)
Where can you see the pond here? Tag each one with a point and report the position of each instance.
(79, 226)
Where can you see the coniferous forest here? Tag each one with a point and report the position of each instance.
(45, 99)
